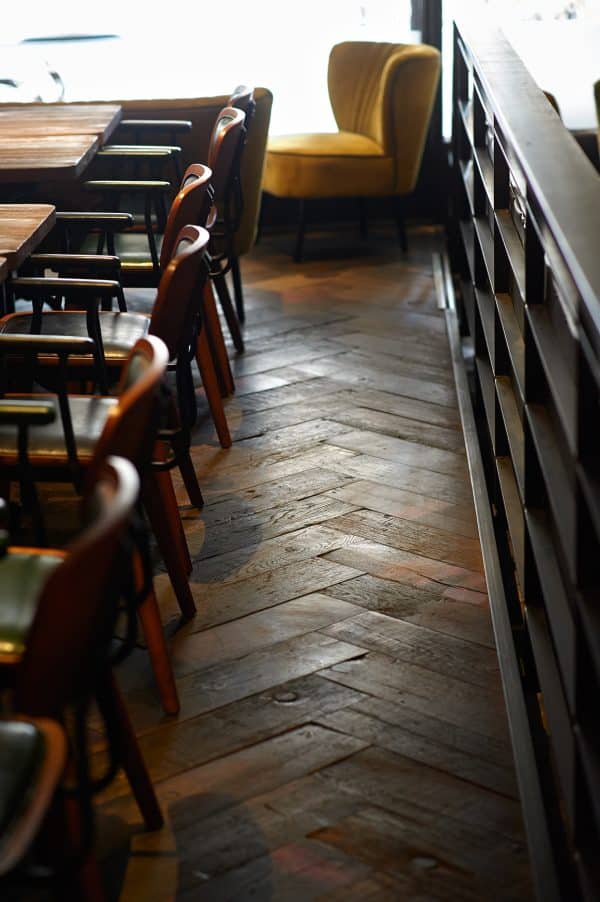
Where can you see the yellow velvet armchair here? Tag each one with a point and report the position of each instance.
(382, 97)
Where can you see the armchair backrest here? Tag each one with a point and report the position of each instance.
(386, 92)
(70, 636)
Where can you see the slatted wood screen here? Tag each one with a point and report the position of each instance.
(525, 242)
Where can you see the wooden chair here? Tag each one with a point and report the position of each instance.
(62, 660)
(85, 432)
(224, 158)
(242, 98)
(382, 96)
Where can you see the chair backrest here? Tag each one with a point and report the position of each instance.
(191, 206)
(130, 428)
(225, 139)
(386, 92)
(180, 290)
(597, 100)
(74, 621)
(242, 98)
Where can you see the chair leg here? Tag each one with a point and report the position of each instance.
(300, 232)
(214, 335)
(152, 628)
(237, 288)
(401, 224)
(230, 314)
(131, 758)
(211, 387)
(161, 507)
(362, 218)
(190, 479)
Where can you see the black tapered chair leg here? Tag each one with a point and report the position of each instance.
(362, 218)
(238, 293)
(401, 224)
(228, 311)
(300, 233)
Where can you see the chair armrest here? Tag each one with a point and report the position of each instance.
(146, 186)
(63, 345)
(96, 266)
(108, 222)
(156, 126)
(89, 291)
(138, 151)
(19, 412)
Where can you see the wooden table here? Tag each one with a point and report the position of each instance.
(39, 119)
(22, 227)
(52, 141)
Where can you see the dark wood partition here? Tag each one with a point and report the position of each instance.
(525, 254)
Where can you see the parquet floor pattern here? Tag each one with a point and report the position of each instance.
(342, 733)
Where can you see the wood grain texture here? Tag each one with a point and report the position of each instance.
(342, 734)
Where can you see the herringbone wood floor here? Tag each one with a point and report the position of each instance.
(342, 733)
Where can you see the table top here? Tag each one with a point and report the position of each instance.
(22, 227)
(32, 120)
(52, 141)
(27, 159)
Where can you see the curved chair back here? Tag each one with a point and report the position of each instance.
(597, 100)
(386, 92)
(191, 206)
(242, 98)
(71, 633)
(225, 139)
(180, 290)
(131, 425)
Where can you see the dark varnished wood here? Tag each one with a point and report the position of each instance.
(22, 227)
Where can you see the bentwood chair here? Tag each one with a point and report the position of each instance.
(73, 445)
(382, 96)
(240, 242)
(62, 661)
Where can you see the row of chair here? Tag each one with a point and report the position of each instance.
(116, 444)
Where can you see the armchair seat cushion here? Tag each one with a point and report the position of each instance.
(336, 164)
(46, 444)
(120, 331)
(23, 573)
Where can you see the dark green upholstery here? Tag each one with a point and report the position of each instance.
(21, 753)
(119, 331)
(22, 577)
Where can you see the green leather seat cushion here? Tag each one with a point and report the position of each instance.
(21, 753)
(88, 415)
(120, 331)
(22, 577)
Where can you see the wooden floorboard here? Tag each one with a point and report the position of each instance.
(342, 734)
